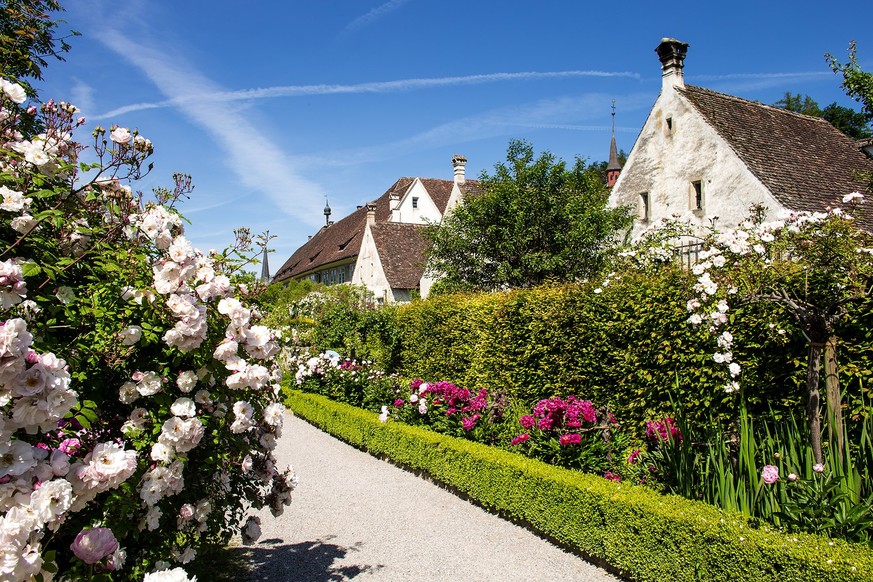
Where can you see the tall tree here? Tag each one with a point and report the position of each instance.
(799, 104)
(28, 37)
(535, 220)
(855, 124)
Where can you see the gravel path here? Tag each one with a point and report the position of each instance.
(356, 517)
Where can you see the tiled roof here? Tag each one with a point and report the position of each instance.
(342, 240)
(401, 249)
(805, 162)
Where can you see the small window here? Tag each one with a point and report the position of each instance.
(697, 195)
(669, 125)
(415, 201)
(341, 276)
(645, 208)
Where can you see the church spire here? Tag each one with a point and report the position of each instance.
(613, 168)
(265, 265)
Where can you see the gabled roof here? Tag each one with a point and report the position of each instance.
(342, 240)
(402, 253)
(805, 162)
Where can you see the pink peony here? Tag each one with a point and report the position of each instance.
(527, 421)
(92, 545)
(818, 468)
(570, 439)
(614, 477)
(520, 439)
(770, 474)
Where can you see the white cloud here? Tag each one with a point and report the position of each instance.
(374, 14)
(371, 87)
(259, 164)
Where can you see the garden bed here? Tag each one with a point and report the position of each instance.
(639, 533)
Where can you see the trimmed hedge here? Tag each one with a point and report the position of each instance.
(640, 533)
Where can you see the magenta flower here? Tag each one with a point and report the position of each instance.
(614, 477)
(527, 421)
(70, 446)
(572, 438)
(770, 474)
(520, 439)
(469, 423)
(632, 459)
(92, 545)
(399, 403)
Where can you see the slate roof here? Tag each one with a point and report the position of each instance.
(341, 241)
(805, 162)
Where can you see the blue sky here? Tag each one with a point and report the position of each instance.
(272, 106)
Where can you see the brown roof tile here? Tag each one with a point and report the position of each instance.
(402, 252)
(342, 240)
(805, 162)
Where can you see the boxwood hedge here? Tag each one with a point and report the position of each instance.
(639, 533)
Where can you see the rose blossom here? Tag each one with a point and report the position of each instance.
(120, 135)
(130, 335)
(92, 545)
(818, 468)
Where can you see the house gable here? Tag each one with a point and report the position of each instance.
(680, 167)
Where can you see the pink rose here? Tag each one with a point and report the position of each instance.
(770, 474)
(92, 545)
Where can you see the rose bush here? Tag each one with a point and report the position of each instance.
(138, 394)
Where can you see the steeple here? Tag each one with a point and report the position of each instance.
(326, 212)
(613, 168)
(265, 268)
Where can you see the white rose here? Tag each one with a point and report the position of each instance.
(120, 135)
(131, 334)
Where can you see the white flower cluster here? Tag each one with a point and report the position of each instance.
(40, 485)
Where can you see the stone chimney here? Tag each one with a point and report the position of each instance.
(371, 214)
(671, 53)
(459, 163)
(394, 205)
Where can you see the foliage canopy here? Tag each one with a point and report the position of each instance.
(535, 220)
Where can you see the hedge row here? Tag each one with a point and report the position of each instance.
(638, 532)
(627, 345)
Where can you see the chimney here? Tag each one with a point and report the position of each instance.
(459, 163)
(671, 53)
(394, 205)
(371, 214)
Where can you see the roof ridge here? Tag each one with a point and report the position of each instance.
(755, 103)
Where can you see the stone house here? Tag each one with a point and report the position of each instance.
(709, 157)
(380, 244)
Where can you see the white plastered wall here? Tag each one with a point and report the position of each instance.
(664, 163)
(426, 212)
(369, 271)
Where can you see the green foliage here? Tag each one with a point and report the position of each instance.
(855, 124)
(535, 220)
(640, 533)
(621, 347)
(277, 299)
(858, 84)
(28, 36)
(799, 104)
